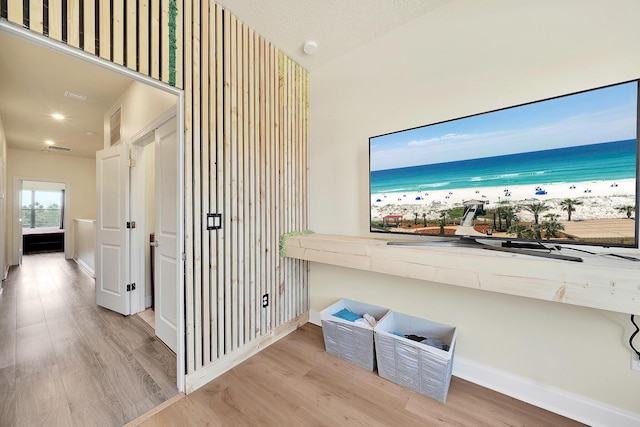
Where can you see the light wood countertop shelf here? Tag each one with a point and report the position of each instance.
(601, 282)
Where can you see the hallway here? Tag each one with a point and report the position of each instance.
(66, 361)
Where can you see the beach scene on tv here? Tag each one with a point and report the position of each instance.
(563, 169)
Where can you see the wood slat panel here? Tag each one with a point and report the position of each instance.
(105, 30)
(212, 323)
(117, 23)
(90, 27)
(143, 40)
(250, 99)
(196, 183)
(36, 16)
(219, 264)
(73, 23)
(233, 182)
(15, 12)
(190, 229)
(205, 179)
(254, 156)
(132, 34)
(154, 43)
(55, 20)
(164, 40)
(226, 160)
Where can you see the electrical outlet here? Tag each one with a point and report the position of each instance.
(265, 301)
(635, 361)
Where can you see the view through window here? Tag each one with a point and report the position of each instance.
(42, 208)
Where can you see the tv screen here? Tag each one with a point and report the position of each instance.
(560, 170)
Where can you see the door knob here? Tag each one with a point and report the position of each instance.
(154, 244)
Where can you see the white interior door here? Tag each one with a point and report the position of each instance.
(166, 254)
(112, 235)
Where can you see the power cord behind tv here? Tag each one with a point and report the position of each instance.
(633, 335)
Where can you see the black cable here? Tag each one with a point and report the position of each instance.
(633, 336)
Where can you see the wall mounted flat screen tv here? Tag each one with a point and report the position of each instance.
(562, 170)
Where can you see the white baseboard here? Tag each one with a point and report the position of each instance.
(85, 267)
(208, 373)
(576, 407)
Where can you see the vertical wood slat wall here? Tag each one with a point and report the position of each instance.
(245, 154)
(117, 31)
(246, 113)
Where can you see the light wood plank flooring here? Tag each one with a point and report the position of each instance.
(295, 382)
(65, 361)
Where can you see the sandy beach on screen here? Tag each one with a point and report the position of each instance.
(600, 200)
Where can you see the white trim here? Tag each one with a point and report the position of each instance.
(151, 127)
(224, 364)
(85, 267)
(314, 317)
(576, 407)
(570, 405)
(60, 47)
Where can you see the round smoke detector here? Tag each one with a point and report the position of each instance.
(310, 47)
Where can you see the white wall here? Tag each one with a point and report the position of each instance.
(463, 58)
(140, 104)
(79, 172)
(4, 224)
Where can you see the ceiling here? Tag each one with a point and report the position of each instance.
(337, 26)
(35, 78)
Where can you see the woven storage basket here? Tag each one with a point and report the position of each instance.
(350, 341)
(417, 366)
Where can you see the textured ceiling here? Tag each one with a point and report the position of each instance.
(336, 25)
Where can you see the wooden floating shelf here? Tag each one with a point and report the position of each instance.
(602, 282)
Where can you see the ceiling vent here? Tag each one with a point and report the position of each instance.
(59, 148)
(76, 96)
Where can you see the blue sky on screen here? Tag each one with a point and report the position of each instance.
(602, 115)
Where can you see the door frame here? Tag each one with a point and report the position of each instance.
(62, 48)
(138, 268)
(16, 247)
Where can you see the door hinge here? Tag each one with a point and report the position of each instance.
(131, 224)
(131, 162)
(131, 287)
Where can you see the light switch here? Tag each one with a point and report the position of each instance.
(214, 221)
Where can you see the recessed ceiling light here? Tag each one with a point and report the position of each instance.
(49, 142)
(90, 133)
(57, 116)
(76, 96)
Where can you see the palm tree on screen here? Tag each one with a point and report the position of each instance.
(569, 206)
(536, 209)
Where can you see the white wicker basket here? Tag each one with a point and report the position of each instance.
(417, 366)
(351, 341)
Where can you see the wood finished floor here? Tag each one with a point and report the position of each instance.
(65, 361)
(295, 382)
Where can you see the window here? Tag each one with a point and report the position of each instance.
(42, 208)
